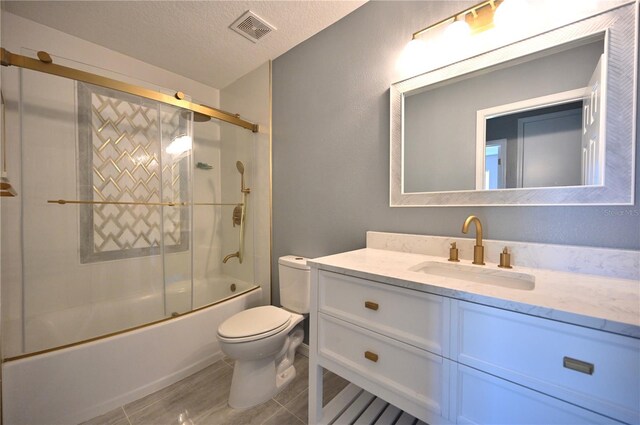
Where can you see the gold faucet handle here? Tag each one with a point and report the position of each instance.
(453, 253)
(505, 259)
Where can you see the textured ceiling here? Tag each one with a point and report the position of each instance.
(191, 38)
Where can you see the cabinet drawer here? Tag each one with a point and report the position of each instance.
(593, 369)
(484, 399)
(411, 316)
(374, 361)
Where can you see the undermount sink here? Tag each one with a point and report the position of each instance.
(477, 274)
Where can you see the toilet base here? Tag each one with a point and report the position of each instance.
(283, 378)
(256, 381)
(253, 382)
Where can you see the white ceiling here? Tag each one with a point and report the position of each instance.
(191, 38)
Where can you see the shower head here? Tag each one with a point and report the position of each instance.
(197, 116)
(240, 167)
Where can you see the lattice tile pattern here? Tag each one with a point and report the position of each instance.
(121, 143)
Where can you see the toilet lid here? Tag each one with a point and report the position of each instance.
(255, 321)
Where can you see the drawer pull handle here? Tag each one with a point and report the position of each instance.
(371, 356)
(578, 365)
(371, 305)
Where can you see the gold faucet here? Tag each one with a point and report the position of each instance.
(478, 249)
(230, 256)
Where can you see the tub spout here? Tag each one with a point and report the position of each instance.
(230, 256)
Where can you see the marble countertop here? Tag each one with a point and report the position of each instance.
(609, 304)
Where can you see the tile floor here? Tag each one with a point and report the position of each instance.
(201, 399)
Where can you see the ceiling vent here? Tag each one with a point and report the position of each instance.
(252, 27)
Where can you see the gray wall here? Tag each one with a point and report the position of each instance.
(331, 149)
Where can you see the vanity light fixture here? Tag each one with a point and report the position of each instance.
(454, 31)
(477, 18)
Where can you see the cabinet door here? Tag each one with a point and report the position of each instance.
(480, 398)
(417, 318)
(596, 370)
(412, 379)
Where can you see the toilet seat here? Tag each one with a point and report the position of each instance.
(254, 323)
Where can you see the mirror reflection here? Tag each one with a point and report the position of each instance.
(533, 122)
(538, 148)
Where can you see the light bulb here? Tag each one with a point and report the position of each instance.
(414, 58)
(416, 47)
(457, 31)
(509, 14)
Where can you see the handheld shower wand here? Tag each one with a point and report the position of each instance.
(240, 167)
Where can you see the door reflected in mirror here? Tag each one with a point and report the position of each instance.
(537, 148)
(549, 141)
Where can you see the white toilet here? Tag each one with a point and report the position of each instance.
(263, 340)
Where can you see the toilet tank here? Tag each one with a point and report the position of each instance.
(295, 282)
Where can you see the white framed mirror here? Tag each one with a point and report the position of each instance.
(549, 120)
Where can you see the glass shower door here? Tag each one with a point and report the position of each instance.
(218, 147)
(125, 214)
(106, 212)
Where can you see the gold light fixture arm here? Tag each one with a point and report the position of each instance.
(432, 26)
(477, 12)
(45, 64)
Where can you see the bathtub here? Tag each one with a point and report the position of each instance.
(71, 325)
(73, 384)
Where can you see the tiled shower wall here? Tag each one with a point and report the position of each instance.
(251, 97)
(122, 141)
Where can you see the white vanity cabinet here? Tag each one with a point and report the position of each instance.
(512, 367)
(387, 340)
(482, 398)
(444, 360)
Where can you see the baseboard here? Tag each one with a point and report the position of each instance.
(303, 349)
